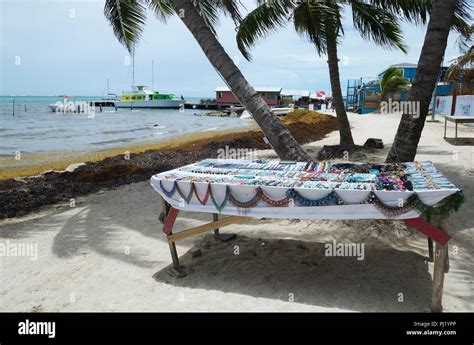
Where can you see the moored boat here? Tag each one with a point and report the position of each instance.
(142, 97)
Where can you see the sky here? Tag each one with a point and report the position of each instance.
(55, 47)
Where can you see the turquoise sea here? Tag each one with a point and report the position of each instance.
(35, 128)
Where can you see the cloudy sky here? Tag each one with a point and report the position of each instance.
(51, 47)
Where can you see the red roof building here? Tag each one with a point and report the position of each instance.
(271, 95)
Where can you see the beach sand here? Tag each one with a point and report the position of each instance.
(108, 252)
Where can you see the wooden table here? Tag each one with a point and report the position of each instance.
(456, 120)
(436, 233)
(234, 191)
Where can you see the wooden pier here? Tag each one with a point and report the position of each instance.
(104, 103)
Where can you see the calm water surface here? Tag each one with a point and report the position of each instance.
(38, 129)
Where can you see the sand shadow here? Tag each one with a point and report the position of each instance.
(117, 232)
(284, 269)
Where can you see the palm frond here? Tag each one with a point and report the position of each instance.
(461, 65)
(316, 20)
(465, 42)
(414, 11)
(393, 81)
(268, 17)
(161, 8)
(231, 7)
(209, 12)
(377, 24)
(463, 18)
(127, 18)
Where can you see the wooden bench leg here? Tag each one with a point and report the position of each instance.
(438, 278)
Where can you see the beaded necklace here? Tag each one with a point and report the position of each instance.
(206, 196)
(246, 204)
(170, 193)
(224, 202)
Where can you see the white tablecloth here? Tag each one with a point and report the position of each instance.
(352, 209)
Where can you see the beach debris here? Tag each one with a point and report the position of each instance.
(374, 143)
(74, 166)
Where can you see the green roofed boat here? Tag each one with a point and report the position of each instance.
(142, 97)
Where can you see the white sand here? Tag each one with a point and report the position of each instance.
(108, 253)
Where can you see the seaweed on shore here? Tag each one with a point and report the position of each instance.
(21, 196)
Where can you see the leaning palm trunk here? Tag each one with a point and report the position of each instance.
(345, 134)
(278, 135)
(410, 128)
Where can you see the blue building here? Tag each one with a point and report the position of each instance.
(408, 70)
(363, 94)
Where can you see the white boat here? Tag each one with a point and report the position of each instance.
(276, 111)
(281, 111)
(142, 97)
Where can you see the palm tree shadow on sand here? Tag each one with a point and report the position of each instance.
(385, 280)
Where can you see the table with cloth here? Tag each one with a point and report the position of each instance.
(415, 192)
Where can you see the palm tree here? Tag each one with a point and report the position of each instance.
(321, 22)
(127, 18)
(445, 15)
(393, 81)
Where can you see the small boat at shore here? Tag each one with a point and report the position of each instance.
(142, 97)
(276, 111)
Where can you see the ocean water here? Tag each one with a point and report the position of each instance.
(35, 128)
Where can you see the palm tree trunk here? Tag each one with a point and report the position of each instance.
(277, 134)
(431, 57)
(345, 134)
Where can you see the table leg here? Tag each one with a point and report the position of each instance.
(445, 124)
(171, 215)
(174, 255)
(456, 135)
(438, 278)
(446, 260)
(218, 235)
(430, 250)
(165, 210)
(215, 218)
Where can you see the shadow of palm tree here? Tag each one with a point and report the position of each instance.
(114, 231)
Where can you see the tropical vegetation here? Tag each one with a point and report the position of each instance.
(393, 81)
